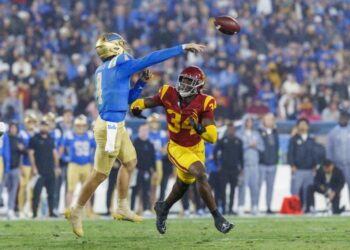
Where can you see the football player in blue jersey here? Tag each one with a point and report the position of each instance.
(159, 140)
(80, 145)
(113, 96)
(30, 123)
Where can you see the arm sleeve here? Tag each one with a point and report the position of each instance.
(330, 147)
(241, 155)
(133, 65)
(217, 148)
(6, 153)
(290, 153)
(260, 144)
(136, 91)
(340, 183)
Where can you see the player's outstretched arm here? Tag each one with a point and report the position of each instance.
(144, 103)
(134, 65)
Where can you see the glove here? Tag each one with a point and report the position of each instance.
(197, 126)
(138, 113)
(137, 107)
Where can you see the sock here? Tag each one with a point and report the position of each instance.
(122, 203)
(167, 206)
(78, 208)
(216, 214)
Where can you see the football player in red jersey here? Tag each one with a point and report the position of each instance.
(190, 118)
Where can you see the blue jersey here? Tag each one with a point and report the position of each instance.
(159, 139)
(57, 136)
(25, 136)
(5, 151)
(209, 158)
(113, 94)
(80, 148)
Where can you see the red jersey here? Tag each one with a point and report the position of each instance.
(177, 115)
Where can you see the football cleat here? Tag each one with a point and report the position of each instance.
(162, 215)
(74, 217)
(222, 225)
(127, 215)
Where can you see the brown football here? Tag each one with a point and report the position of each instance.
(227, 25)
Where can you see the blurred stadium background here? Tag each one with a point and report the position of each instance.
(290, 58)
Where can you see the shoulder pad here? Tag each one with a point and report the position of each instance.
(69, 135)
(58, 133)
(209, 103)
(90, 134)
(163, 90)
(163, 133)
(23, 134)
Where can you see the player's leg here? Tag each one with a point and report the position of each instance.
(197, 169)
(97, 176)
(127, 156)
(72, 177)
(25, 174)
(162, 207)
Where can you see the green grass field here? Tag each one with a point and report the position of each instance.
(250, 233)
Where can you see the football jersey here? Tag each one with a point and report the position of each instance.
(179, 128)
(80, 148)
(159, 140)
(113, 81)
(25, 136)
(57, 136)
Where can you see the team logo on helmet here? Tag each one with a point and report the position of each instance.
(111, 44)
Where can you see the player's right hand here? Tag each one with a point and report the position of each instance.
(138, 113)
(194, 47)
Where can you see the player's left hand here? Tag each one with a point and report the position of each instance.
(196, 126)
(138, 113)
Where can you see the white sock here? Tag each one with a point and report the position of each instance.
(78, 208)
(122, 203)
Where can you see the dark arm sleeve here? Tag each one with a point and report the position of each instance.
(340, 182)
(290, 152)
(217, 148)
(153, 156)
(32, 143)
(241, 154)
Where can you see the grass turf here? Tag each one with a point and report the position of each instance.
(250, 233)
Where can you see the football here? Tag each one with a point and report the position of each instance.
(227, 25)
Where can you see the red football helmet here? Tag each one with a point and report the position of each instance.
(191, 81)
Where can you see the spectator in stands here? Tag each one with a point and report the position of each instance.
(228, 156)
(338, 146)
(252, 147)
(146, 165)
(12, 177)
(329, 180)
(268, 157)
(45, 165)
(302, 159)
(331, 113)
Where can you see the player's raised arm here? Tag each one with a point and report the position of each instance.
(134, 93)
(132, 66)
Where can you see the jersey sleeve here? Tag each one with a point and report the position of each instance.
(131, 66)
(136, 91)
(158, 99)
(209, 107)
